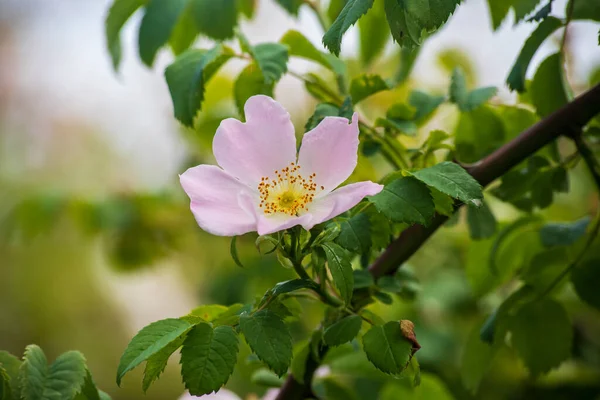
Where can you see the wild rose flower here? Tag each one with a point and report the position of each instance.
(263, 185)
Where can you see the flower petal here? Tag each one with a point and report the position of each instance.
(265, 143)
(339, 201)
(330, 150)
(215, 201)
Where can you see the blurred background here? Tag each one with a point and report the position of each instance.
(96, 237)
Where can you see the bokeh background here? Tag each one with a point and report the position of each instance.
(96, 238)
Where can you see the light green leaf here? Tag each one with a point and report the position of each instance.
(481, 221)
(516, 78)
(364, 86)
(387, 348)
(549, 88)
(155, 365)
(373, 31)
(299, 46)
(291, 6)
(340, 268)
(355, 234)
(264, 377)
(585, 278)
(62, 380)
(269, 338)
(118, 14)
(523, 8)
(343, 330)
(478, 97)
(444, 204)
(351, 12)
(208, 357)
(209, 312)
(247, 7)
(563, 234)
(11, 365)
(216, 19)
(149, 341)
(321, 111)
(405, 200)
(272, 60)
(185, 31)
(89, 391)
(452, 179)
(249, 83)
(158, 23)
(298, 367)
(475, 360)
(187, 78)
(425, 104)
(458, 87)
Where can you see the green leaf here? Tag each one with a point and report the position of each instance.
(158, 23)
(298, 367)
(156, 364)
(585, 278)
(351, 12)
(364, 86)
(187, 77)
(216, 19)
(478, 97)
(209, 312)
(516, 78)
(234, 253)
(247, 7)
(62, 380)
(11, 365)
(340, 268)
(291, 6)
(444, 204)
(458, 87)
(89, 391)
(321, 111)
(5, 386)
(362, 279)
(544, 268)
(481, 221)
(272, 60)
(523, 8)
(405, 200)
(542, 335)
(452, 179)
(299, 46)
(475, 361)
(387, 348)
(250, 82)
(586, 10)
(119, 13)
(355, 234)
(184, 33)
(343, 330)
(292, 286)
(425, 104)
(373, 31)
(269, 338)
(563, 234)
(264, 377)
(409, 21)
(542, 12)
(498, 11)
(473, 143)
(549, 88)
(208, 357)
(149, 341)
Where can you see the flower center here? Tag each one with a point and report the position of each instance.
(289, 193)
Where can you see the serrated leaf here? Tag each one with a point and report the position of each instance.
(89, 391)
(355, 234)
(272, 60)
(269, 338)
(216, 19)
(351, 12)
(208, 357)
(118, 14)
(187, 77)
(548, 88)
(387, 348)
(365, 85)
(373, 32)
(6, 391)
(62, 380)
(158, 23)
(563, 233)
(300, 46)
(452, 179)
(292, 285)
(250, 82)
(149, 341)
(481, 221)
(516, 78)
(405, 200)
(156, 364)
(343, 330)
(585, 278)
(341, 270)
(11, 365)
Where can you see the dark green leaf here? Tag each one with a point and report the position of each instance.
(149, 341)
(381, 228)
(158, 23)
(291, 6)
(355, 234)
(272, 60)
(523, 8)
(298, 367)
(321, 111)
(373, 33)
(475, 361)
(249, 83)
(367, 85)
(155, 365)
(516, 78)
(586, 279)
(425, 104)
(542, 12)
(452, 179)
(498, 11)
(563, 234)
(343, 330)
(299, 46)
(544, 268)
(398, 126)
(505, 234)
(293, 285)
(216, 19)
(89, 391)
(269, 338)
(234, 253)
(481, 220)
(362, 279)
(340, 268)
(264, 377)
(351, 12)
(185, 32)
(119, 13)
(548, 88)
(405, 200)
(444, 204)
(11, 365)
(208, 357)
(387, 348)
(6, 391)
(473, 143)
(586, 10)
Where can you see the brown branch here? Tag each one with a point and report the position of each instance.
(565, 121)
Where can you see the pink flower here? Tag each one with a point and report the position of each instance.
(263, 185)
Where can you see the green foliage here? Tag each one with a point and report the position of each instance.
(208, 357)
(425, 104)
(341, 270)
(387, 348)
(471, 143)
(367, 85)
(234, 253)
(185, 31)
(264, 377)
(585, 278)
(249, 83)
(343, 330)
(321, 111)
(475, 360)
(291, 6)
(156, 364)
(548, 88)
(544, 268)
(119, 13)
(373, 33)
(481, 220)
(585, 10)
(149, 341)
(299, 46)
(158, 23)
(405, 200)
(451, 179)
(272, 60)
(468, 100)
(215, 19)
(355, 234)
(269, 338)
(563, 234)
(351, 12)
(516, 78)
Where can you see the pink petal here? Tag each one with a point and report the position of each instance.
(330, 151)
(215, 201)
(265, 143)
(339, 201)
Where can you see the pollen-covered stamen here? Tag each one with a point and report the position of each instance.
(288, 192)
